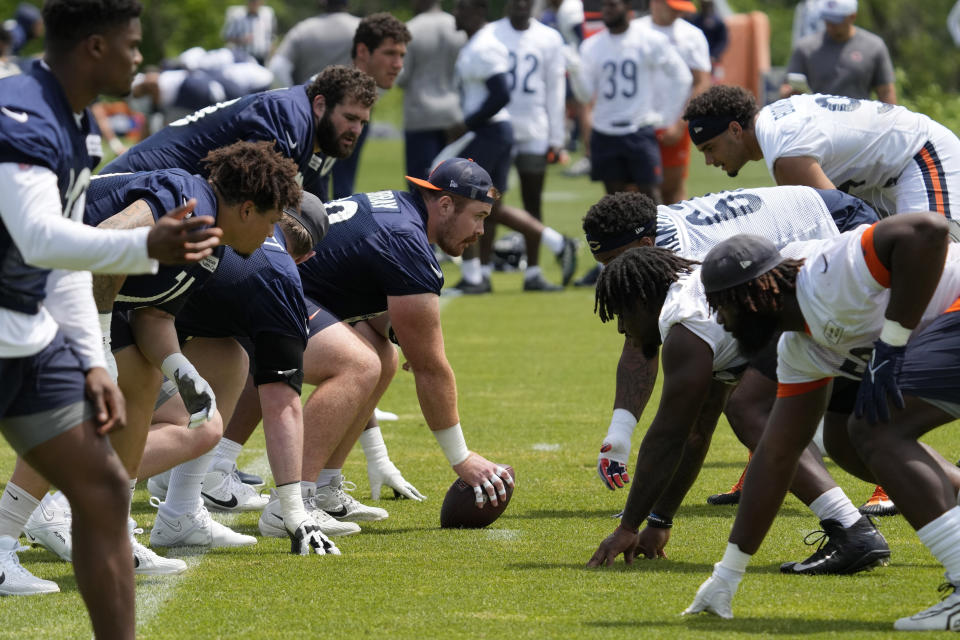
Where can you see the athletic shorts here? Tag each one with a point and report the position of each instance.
(931, 366)
(531, 162)
(491, 150)
(318, 318)
(121, 333)
(420, 148)
(633, 158)
(675, 155)
(42, 395)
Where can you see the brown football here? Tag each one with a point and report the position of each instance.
(459, 510)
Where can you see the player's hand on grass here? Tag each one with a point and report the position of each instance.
(714, 596)
(485, 477)
(307, 539)
(387, 474)
(651, 542)
(622, 540)
(196, 393)
(880, 383)
(110, 411)
(612, 464)
(176, 239)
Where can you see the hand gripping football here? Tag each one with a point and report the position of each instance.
(459, 510)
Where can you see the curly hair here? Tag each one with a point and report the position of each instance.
(616, 213)
(376, 28)
(254, 171)
(724, 101)
(336, 83)
(639, 276)
(763, 294)
(67, 22)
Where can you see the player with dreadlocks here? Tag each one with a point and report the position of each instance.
(849, 310)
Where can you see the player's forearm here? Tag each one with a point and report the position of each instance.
(636, 377)
(437, 392)
(70, 302)
(155, 334)
(913, 280)
(660, 454)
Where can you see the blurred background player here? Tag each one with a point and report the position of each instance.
(251, 28)
(25, 25)
(315, 44)
(714, 29)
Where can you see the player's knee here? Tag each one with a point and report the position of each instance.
(104, 488)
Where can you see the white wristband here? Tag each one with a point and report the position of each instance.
(735, 560)
(453, 445)
(894, 333)
(621, 427)
(173, 362)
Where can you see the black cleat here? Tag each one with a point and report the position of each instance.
(568, 259)
(730, 497)
(539, 283)
(590, 278)
(857, 548)
(467, 288)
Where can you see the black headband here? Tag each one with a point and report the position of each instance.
(609, 243)
(706, 127)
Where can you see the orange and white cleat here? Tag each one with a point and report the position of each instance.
(879, 504)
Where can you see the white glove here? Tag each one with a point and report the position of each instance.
(612, 463)
(715, 595)
(388, 474)
(308, 539)
(196, 394)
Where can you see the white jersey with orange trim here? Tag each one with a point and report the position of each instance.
(536, 78)
(844, 305)
(618, 70)
(686, 304)
(863, 146)
(481, 58)
(781, 214)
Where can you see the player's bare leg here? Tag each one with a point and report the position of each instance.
(140, 383)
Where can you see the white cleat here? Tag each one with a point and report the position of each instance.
(14, 579)
(49, 527)
(223, 491)
(148, 563)
(385, 416)
(943, 616)
(271, 520)
(335, 501)
(195, 529)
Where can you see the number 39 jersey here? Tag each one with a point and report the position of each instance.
(781, 214)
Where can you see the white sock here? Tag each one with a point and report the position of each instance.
(183, 492)
(470, 269)
(291, 505)
(16, 505)
(133, 489)
(374, 448)
(553, 239)
(327, 476)
(532, 272)
(942, 537)
(486, 270)
(225, 454)
(57, 499)
(835, 505)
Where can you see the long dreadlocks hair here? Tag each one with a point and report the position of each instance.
(764, 293)
(641, 276)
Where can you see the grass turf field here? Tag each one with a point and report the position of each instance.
(535, 379)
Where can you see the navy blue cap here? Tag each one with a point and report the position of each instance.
(461, 176)
(737, 260)
(312, 215)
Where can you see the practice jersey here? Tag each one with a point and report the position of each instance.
(480, 59)
(862, 145)
(536, 81)
(376, 247)
(247, 297)
(691, 44)
(618, 71)
(686, 304)
(781, 214)
(162, 191)
(38, 127)
(844, 304)
(281, 116)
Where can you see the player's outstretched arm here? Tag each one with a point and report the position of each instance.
(801, 170)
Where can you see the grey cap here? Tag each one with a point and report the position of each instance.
(737, 260)
(312, 215)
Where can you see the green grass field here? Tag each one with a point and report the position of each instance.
(535, 379)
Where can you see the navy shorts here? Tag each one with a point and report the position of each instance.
(42, 395)
(121, 334)
(491, 149)
(420, 148)
(633, 158)
(931, 366)
(318, 318)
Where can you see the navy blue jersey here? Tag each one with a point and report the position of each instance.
(376, 247)
(847, 211)
(283, 116)
(248, 297)
(162, 191)
(38, 127)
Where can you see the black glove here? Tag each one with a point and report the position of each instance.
(880, 382)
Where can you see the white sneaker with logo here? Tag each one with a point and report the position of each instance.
(49, 527)
(271, 520)
(148, 563)
(335, 501)
(943, 616)
(14, 579)
(223, 491)
(195, 529)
